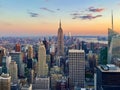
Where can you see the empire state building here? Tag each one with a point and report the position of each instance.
(60, 42)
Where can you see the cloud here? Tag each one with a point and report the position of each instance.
(92, 9)
(86, 17)
(46, 9)
(32, 14)
(76, 14)
(58, 9)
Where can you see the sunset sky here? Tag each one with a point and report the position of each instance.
(41, 17)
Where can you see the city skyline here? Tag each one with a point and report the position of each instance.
(33, 17)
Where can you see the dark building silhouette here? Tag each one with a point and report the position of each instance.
(108, 77)
(46, 44)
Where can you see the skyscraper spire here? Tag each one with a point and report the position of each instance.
(60, 41)
(60, 23)
(112, 18)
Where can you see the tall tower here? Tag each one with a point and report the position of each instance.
(76, 67)
(42, 67)
(13, 71)
(60, 42)
(30, 52)
(112, 35)
(17, 47)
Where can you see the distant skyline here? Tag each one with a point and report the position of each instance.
(41, 17)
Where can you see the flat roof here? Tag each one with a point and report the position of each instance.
(75, 50)
(116, 70)
(5, 77)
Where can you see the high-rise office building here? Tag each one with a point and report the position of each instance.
(30, 57)
(41, 84)
(30, 52)
(5, 63)
(60, 42)
(112, 37)
(114, 50)
(52, 48)
(107, 77)
(5, 82)
(46, 44)
(13, 70)
(92, 60)
(2, 53)
(17, 56)
(76, 67)
(42, 67)
(17, 47)
(111, 33)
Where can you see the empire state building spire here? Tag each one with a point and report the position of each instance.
(60, 42)
(60, 24)
(112, 18)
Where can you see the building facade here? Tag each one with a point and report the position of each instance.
(60, 42)
(42, 67)
(107, 77)
(77, 67)
(5, 82)
(17, 56)
(2, 53)
(13, 70)
(114, 50)
(17, 47)
(41, 84)
(30, 52)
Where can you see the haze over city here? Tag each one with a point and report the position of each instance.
(41, 17)
(59, 45)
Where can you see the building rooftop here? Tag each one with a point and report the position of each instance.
(75, 50)
(109, 68)
(5, 76)
(26, 86)
(13, 51)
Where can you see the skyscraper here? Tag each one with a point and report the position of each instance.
(41, 82)
(111, 32)
(46, 44)
(76, 67)
(17, 47)
(13, 70)
(60, 42)
(2, 53)
(5, 81)
(111, 39)
(114, 50)
(5, 63)
(17, 56)
(107, 77)
(42, 67)
(30, 52)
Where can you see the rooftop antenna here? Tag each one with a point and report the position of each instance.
(112, 18)
(60, 23)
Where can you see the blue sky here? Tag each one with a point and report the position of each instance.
(42, 16)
